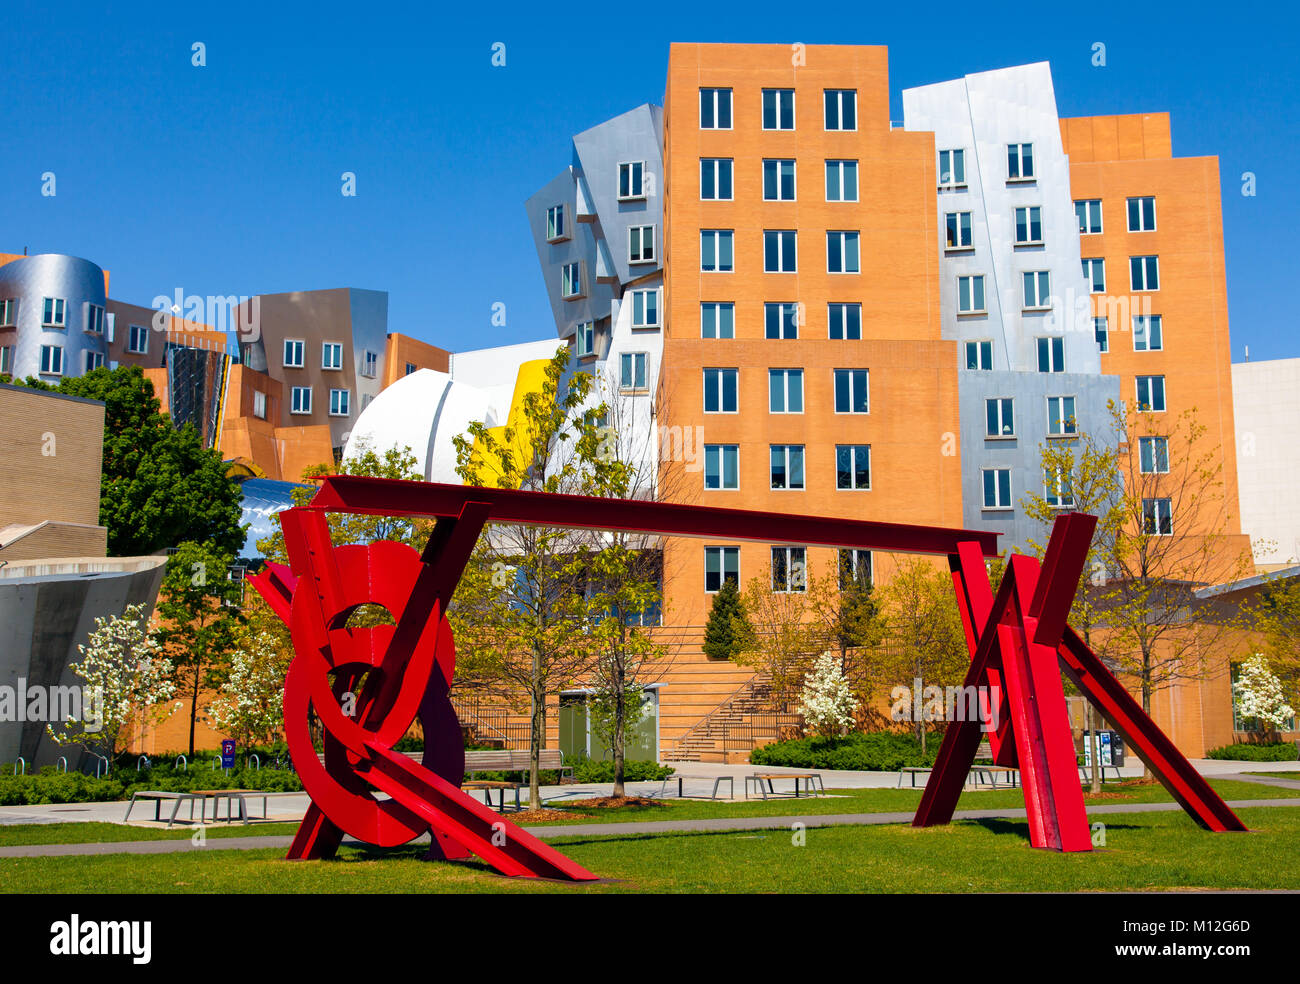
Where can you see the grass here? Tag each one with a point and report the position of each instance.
(94, 832)
(1144, 852)
(1277, 775)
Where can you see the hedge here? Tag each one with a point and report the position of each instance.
(877, 751)
(1279, 751)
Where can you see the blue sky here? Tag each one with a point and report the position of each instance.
(226, 179)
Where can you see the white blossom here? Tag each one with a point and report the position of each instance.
(1259, 694)
(251, 702)
(827, 701)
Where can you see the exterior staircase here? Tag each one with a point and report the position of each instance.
(752, 716)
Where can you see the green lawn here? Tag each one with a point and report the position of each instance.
(1143, 852)
(1276, 775)
(842, 801)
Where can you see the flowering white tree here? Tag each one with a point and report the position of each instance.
(124, 677)
(250, 706)
(1259, 695)
(827, 701)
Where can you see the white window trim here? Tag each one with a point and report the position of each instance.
(722, 471)
(579, 335)
(840, 162)
(648, 325)
(781, 249)
(802, 400)
(1090, 260)
(716, 171)
(347, 399)
(324, 347)
(1100, 215)
(564, 232)
(851, 413)
(984, 506)
(789, 569)
(983, 290)
(1062, 435)
(1137, 395)
(9, 312)
(717, 235)
(632, 387)
(1020, 158)
(574, 295)
(619, 181)
(844, 235)
(795, 174)
(840, 111)
(1159, 319)
(787, 447)
(1041, 305)
(836, 463)
(704, 391)
(968, 248)
(939, 168)
(1154, 217)
(731, 100)
(61, 307)
(285, 351)
(999, 436)
(722, 567)
(292, 409)
(1144, 289)
(966, 360)
(654, 244)
(1017, 243)
(62, 356)
(794, 120)
(144, 333)
(845, 305)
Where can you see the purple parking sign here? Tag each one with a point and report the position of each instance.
(228, 753)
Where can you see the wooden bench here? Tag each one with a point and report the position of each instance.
(158, 795)
(517, 760)
(984, 773)
(487, 786)
(231, 796)
(682, 780)
(763, 782)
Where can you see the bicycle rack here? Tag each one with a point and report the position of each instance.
(23, 762)
(185, 767)
(98, 759)
(216, 762)
(145, 760)
(63, 760)
(257, 767)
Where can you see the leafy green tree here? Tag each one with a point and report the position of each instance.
(159, 485)
(727, 631)
(521, 614)
(199, 623)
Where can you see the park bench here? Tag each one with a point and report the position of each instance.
(487, 786)
(158, 795)
(980, 772)
(682, 780)
(517, 760)
(762, 781)
(231, 796)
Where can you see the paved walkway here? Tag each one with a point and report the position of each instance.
(635, 829)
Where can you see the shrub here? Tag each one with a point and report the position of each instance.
(1279, 751)
(879, 751)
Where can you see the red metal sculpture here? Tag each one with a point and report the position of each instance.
(366, 686)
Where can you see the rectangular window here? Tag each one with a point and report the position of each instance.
(585, 338)
(137, 342)
(1151, 393)
(853, 467)
(410, 368)
(631, 180)
(300, 400)
(259, 404)
(92, 361)
(952, 169)
(1142, 214)
(997, 488)
(1038, 290)
(1051, 354)
(785, 390)
(716, 250)
(999, 417)
(1094, 271)
(1061, 421)
(979, 355)
(1029, 225)
(718, 319)
(720, 563)
(331, 355)
(1101, 331)
(722, 466)
(1148, 333)
(1020, 162)
(787, 466)
(6, 359)
(8, 313)
(720, 390)
(645, 308)
(641, 244)
(715, 109)
(781, 320)
(1154, 455)
(1144, 272)
(369, 364)
(632, 371)
(842, 253)
(52, 360)
(841, 181)
(55, 313)
(856, 569)
(340, 402)
(959, 234)
(571, 280)
(778, 109)
(555, 227)
(970, 294)
(841, 109)
(1088, 212)
(715, 179)
(295, 353)
(851, 390)
(1058, 487)
(779, 251)
(1158, 517)
(778, 181)
(95, 319)
(844, 321)
(789, 569)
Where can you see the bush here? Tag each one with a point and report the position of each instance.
(586, 770)
(879, 751)
(52, 786)
(1278, 751)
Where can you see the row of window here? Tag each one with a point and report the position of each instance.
(786, 467)
(54, 314)
(839, 109)
(51, 360)
(1141, 214)
(300, 401)
(331, 357)
(789, 568)
(785, 390)
(1157, 512)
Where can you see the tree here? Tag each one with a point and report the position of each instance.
(125, 676)
(783, 636)
(1082, 475)
(250, 705)
(199, 623)
(1260, 698)
(929, 643)
(521, 614)
(728, 629)
(827, 702)
(1277, 616)
(159, 484)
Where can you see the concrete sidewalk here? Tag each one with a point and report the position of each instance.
(635, 829)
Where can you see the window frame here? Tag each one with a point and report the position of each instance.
(1020, 176)
(796, 569)
(53, 350)
(632, 195)
(295, 405)
(762, 109)
(788, 454)
(853, 469)
(787, 329)
(632, 360)
(54, 314)
(845, 307)
(722, 374)
(1042, 304)
(718, 307)
(557, 228)
(841, 165)
(778, 163)
(1068, 431)
(1016, 241)
(723, 553)
(788, 375)
(955, 182)
(571, 286)
(1147, 269)
(984, 490)
(300, 351)
(632, 256)
(717, 105)
(1150, 407)
(970, 231)
(144, 333)
(718, 236)
(1087, 203)
(326, 347)
(980, 349)
(1090, 264)
(1128, 209)
(852, 374)
(720, 451)
(641, 309)
(584, 339)
(846, 236)
(972, 277)
(1006, 413)
(839, 110)
(1055, 347)
(1149, 321)
(781, 235)
(717, 173)
(1168, 518)
(344, 400)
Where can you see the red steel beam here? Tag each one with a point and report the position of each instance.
(395, 497)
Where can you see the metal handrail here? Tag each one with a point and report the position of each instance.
(181, 758)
